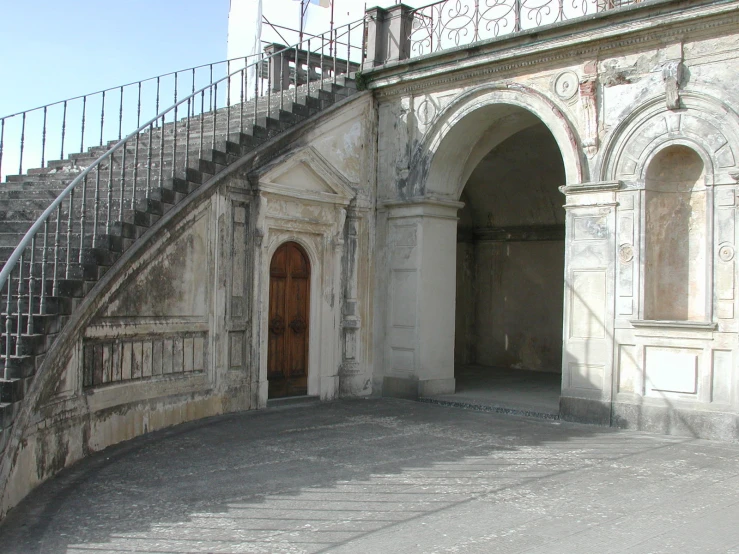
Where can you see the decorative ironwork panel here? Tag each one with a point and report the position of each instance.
(452, 23)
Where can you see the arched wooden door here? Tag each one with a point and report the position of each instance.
(289, 303)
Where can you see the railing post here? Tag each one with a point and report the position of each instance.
(376, 37)
(388, 35)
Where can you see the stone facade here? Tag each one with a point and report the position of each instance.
(561, 200)
(635, 121)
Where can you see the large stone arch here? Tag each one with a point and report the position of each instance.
(475, 123)
(421, 230)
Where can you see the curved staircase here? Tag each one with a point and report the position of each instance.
(122, 188)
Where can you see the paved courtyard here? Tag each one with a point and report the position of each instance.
(387, 476)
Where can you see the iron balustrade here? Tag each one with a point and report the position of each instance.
(452, 23)
(105, 186)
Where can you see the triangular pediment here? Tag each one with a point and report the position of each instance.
(304, 173)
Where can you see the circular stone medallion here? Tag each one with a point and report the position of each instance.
(625, 253)
(566, 85)
(426, 112)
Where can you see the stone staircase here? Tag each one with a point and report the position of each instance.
(167, 163)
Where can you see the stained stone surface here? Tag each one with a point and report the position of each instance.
(387, 476)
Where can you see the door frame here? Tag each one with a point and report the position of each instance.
(302, 198)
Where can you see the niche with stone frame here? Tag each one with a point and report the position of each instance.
(676, 252)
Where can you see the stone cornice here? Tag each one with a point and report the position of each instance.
(431, 72)
(598, 186)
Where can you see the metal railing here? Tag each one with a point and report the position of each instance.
(452, 23)
(115, 179)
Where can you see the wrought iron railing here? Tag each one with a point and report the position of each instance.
(114, 178)
(451, 23)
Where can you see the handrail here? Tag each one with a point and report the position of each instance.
(276, 92)
(31, 137)
(117, 87)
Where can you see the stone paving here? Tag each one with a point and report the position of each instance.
(387, 476)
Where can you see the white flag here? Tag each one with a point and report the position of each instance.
(304, 4)
(244, 39)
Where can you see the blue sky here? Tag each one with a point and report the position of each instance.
(55, 49)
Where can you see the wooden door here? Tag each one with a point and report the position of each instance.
(289, 302)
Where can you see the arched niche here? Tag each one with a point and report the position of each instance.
(706, 124)
(675, 236)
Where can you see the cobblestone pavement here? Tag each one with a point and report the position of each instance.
(387, 476)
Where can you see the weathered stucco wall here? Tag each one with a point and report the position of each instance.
(614, 91)
(174, 331)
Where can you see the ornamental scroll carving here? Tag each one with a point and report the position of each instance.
(589, 105)
(673, 73)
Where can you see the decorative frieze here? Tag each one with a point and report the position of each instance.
(122, 360)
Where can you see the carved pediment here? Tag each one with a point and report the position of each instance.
(305, 174)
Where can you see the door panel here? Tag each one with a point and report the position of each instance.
(289, 303)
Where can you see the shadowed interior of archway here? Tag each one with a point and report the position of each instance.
(510, 276)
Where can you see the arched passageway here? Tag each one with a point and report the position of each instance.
(476, 252)
(510, 275)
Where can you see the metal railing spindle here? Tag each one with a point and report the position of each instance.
(228, 100)
(193, 92)
(43, 140)
(96, 209)
(69, 234)
(256, 92)
(19, 304)
(55, 276)
(156, 107)
(210, 90)
(8, 326)
(83, 219)
(23, 138)
(215, 115)
(282, 80)
(135, 171)
(121, 198)
(148, 160)
(44, 255)
(161, 153)
(202, 109)
(297, 71)
(323, 44)
(174, 128)
(336, 38)
(102, 118)
(64, 130)
(187, 138)
(31, 287)
(110, 195)
(307, 71)
(120, 116)
(82, 131)
(269, 86)
(242, 76)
